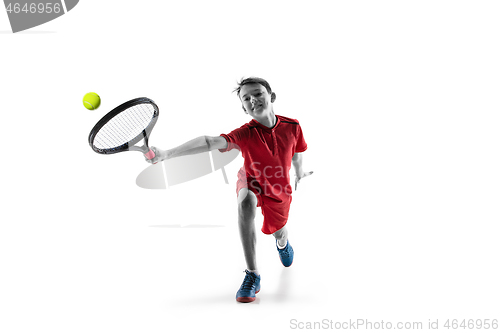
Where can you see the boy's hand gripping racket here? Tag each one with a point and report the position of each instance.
(124, 126)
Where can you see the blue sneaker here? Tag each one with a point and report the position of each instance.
(249, 287)
(286, 254)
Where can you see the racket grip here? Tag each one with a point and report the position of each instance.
(150, 154)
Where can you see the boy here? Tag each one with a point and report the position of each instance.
(269, 145)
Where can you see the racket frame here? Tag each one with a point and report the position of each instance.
(128, 146)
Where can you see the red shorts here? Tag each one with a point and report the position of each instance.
(275, 211)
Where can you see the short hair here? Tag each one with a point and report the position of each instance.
(251, 80)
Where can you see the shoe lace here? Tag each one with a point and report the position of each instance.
(285, 253)
(248, 282)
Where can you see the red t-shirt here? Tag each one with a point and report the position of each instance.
(268, 153)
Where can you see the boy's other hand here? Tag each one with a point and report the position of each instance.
(299, 177)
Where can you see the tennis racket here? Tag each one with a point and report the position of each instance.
(124, 126)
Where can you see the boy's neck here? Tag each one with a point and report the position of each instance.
(268, 121)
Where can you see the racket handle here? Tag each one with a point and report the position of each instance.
(150, 154)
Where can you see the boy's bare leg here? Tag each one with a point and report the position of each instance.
(281, 236)
(247, 206)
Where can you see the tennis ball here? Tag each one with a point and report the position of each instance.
(91, 101)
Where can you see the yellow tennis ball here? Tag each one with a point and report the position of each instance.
(91, 101)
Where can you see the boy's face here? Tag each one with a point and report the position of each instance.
(255, 99)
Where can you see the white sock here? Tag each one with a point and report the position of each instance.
(281, 247)
(255, 271)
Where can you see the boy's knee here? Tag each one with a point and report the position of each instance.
(247, 202)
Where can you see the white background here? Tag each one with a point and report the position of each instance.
(399, 104)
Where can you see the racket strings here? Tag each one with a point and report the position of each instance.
(125, 126)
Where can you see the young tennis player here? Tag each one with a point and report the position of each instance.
(270, 144)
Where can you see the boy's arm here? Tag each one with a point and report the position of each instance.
(299, 172)
(199, 145)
